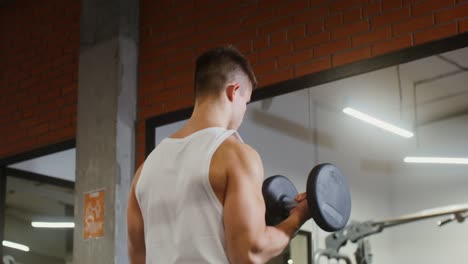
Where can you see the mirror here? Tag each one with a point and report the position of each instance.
(427, 97)
(40, 193)
(297, 252)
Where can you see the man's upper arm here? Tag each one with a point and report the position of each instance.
(244, 207)
(135, 228)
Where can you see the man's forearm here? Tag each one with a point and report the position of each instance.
(276, 238)
(290, 225)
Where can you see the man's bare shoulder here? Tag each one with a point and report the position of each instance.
(234, 147)
(239, 156)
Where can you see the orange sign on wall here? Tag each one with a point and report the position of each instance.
(94, 214)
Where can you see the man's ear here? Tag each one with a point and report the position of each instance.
(231, 91)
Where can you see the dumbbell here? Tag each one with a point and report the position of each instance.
(328, 198)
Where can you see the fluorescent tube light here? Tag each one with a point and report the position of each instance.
(437, 160)
(53, 224)
(14, 245)
(376, 122)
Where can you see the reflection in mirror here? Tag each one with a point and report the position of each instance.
(28, 201)
(297, 252)
(39, 209)
(427, 97)
(60, 165)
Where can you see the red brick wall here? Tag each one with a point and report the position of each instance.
(283, 39)
(39, 51)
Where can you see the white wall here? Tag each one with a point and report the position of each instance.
(418, 187)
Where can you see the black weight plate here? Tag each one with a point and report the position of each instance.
(328, 197)
(274, 190)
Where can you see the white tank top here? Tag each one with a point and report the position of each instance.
(183, 218)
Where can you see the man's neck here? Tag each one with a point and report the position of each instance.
(206, 114)
(209, 113)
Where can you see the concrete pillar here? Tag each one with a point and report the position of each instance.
(105, 143)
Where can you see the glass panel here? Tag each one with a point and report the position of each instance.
(28, 201)
(427, 97)
(59, 165)
(300, 249)
(297, 252)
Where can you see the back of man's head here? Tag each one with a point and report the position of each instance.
(219, 66)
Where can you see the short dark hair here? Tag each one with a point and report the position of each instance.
(217, 66)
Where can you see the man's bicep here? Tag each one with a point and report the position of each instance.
(244, 207)
(134, 218)
(136, 242)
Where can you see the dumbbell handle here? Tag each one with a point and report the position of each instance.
(288, 203)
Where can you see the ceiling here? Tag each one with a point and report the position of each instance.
(440, 84)
(36, 198)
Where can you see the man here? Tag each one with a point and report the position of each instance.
(197, 198)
